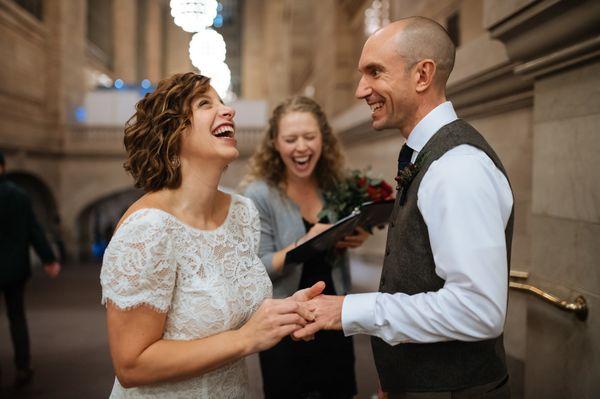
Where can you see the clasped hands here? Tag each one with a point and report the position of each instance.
(326, 311)
(300, 316)
(304, 313)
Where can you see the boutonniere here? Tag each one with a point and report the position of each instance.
(407, 175)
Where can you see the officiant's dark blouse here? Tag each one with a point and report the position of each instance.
(317, 269)
(298, 369)
(292, 369)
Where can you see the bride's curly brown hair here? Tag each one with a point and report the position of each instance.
(266, 163)
(153, 134)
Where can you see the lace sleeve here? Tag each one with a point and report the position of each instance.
(138, 267)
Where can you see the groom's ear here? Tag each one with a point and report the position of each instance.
(424, 73)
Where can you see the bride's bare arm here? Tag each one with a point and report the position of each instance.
(141, 356)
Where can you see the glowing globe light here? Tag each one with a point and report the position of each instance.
(220, 76)
(376, 16)
(207, 46)
(193, 15)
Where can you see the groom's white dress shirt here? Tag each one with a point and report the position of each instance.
(466, 202)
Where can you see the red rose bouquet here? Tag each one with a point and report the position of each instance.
(351, 193)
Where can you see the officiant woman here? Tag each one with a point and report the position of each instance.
(298, 160)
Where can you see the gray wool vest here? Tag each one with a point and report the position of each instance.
(409, 268)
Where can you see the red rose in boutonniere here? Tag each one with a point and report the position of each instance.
(407, 175)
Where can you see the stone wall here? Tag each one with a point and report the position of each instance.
(566, 231)
(561, 58)
(43, 66)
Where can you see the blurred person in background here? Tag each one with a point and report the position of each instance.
(298, 160)
(19, 229)
(187, 297)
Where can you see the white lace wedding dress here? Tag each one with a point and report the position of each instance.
(206, 281)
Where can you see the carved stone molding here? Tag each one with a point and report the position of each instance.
(13, 17)
(572, 55)
(25, 151)
(494, 91)
(549, 26)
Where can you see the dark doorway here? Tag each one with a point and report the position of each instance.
(97, 221)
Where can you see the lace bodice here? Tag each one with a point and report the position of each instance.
(206, 281)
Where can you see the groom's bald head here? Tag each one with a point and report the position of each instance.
(404, 69)
(419, 38)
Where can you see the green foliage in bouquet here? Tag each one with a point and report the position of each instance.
(351, 193)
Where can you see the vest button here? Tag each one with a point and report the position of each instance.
(387, 251)
(382, 281)
(392, 224)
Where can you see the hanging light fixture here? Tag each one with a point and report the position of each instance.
(220, 76)
(207, 46)
(377, 15)
(193, 15)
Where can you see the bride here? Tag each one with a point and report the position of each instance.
(185, 292)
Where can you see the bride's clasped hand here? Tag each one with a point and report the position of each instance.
(277, 318)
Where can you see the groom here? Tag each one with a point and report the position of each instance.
(438, 319)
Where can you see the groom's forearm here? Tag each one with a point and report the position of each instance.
(439, 316)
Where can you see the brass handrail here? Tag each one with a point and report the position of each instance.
(579, 306)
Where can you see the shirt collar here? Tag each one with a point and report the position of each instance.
(438, 117)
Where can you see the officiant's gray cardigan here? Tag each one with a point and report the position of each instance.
(281, 225)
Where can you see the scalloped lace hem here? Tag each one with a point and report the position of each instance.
(134, 305)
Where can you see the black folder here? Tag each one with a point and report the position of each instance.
(368, 215)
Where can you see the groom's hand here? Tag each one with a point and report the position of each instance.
(306, 295)
(327, 310)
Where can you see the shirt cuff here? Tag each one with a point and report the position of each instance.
(358, 313)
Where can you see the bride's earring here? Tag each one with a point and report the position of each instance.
(175, 162)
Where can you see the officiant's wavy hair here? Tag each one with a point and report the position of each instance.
(153, 134)
(266, 163)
